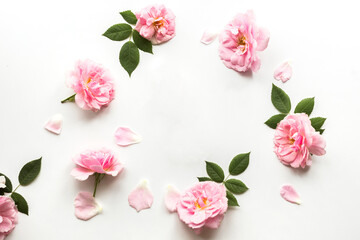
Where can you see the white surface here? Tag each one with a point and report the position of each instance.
(188, 107)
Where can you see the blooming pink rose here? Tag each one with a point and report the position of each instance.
(203, 205)
(295, 139)
(90, 162)
(92, 84)
(156, 23)
(240, 41)
(8, 216)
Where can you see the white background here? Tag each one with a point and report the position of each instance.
(189, 108)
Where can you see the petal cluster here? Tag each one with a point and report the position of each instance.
(8, 216)
(295, 139)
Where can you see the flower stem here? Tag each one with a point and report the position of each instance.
(98, 178)
(69, 99)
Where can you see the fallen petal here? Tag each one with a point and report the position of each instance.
(2, 182)
(54, 124)
(288, 193)
(208, 37)
(171, 198)
(124, 136)
(86, 206)
(141, 197)
(283, 72)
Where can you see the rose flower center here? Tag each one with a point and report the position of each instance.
(159, 22)
(201, 204)
(242, 45)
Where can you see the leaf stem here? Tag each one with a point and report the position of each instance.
(69, 99)
(15, 189)
(227, 177)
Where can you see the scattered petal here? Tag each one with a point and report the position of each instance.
(283, 72)
(54, 124)
(2, 182)
(288, 193)
(141, 197)
(208, 37)
(124, 136)
(86, 206)
(171, 198)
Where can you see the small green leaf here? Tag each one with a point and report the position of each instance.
(8, 188)
(305, 106)
(118, 32)
(274, 120)
(236, 186)
(142, 43)
(29, 172)
(239, 163)
(280, 99)
(129, 57)
(317, 122)
(20, 202)
(129, 17)
(215, 172)
(204, 179)
(231, 199)
(321, 131)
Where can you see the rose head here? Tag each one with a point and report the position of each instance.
(92, 84)
(156, 23)
(240, 41)
(8, 216)
(90, 162)
(203, 205)
(295, 139)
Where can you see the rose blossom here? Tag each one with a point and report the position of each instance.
(92, 84)
(156, 23)
(295, 139)
(203, 205)
(240, 41)
(90, 162)
(8, 216)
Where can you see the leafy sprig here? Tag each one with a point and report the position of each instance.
(282, 103)
(234, 186)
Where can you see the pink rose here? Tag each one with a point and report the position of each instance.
(8, 216)
(92, 84)
(156, 23)
(240, 41)
(203, 205)
(90, 162)
(295, 139)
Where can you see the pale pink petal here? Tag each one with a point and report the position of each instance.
(288, 193)
(283, 72)
(208, 37)
(85, 206)
(2, 182)
(81, 173)
(141, 197)
(172, 197)
(124, 136)
(54, 124)
(318, 145)
(214, 222)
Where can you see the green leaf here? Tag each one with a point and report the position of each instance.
(215, 172)
(280, 99)
(8, 188)
(20, 202)
(129, 57)
(236, 186)
(129, 17)
(305, 106)
(142, 43)
(204, 179)
(317, 122)
(321, 131)
(274, 120)
(239, 163)
(29, 172)
(231, 199)
(118, 32)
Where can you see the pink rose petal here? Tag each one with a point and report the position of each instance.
(141, 197)
(2, 182)
(288, 193)
(172, 197)
(85, 206)
(208, 37)
(283, 72)
(124, 136)
(54, 124)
